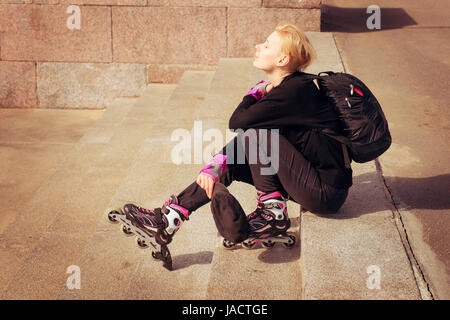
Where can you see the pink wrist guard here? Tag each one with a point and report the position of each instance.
(258, 94)
(216, 166)
(259, 90)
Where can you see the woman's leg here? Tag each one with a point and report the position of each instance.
(292, 174)
(298, 177)
(260, 153)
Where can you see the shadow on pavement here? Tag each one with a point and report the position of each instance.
(410, 193)
(280, 254)
(354, 20)
(421, 193)
(186, 260)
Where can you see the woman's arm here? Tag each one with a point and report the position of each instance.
(298, 104)
(268, 113)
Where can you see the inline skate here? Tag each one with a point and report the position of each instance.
(153, 228)
(268, 223)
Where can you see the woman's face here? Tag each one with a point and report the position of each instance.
(268, 54)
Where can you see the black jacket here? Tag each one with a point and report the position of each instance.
(296, 107)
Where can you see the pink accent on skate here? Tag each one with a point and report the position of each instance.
(271, 195)
(169, 201)
(251, 215)
(184, 211)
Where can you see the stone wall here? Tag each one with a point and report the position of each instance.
(122, 45)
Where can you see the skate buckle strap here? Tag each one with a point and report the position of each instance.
(172, 199)
(274, 194)
(173, 203)
(183, 211)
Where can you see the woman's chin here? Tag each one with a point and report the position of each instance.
(255, 64)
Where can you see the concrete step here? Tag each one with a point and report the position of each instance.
(109, 262)
(357, 253)
(33, 143)
(56, 227)
(257, 273)
(19, 237)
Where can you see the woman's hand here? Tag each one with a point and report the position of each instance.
(211, 172)
(206, 183)
(269, 87)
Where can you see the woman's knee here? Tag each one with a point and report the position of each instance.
(329, 206)
(335, 202)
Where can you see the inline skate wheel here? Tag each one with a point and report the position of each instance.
(248, 244)
(112, 215)
(127, 230)
(291, 242)
(156, 255)
(228, 244)
(141, 243)
(268, 244)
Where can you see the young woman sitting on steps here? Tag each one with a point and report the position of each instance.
(309, 169)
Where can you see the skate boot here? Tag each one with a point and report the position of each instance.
(153, 228)
(269, 222)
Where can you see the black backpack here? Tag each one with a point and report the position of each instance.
(364, 127)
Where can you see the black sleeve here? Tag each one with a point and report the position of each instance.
(268, 113)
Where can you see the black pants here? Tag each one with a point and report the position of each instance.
(292, 175)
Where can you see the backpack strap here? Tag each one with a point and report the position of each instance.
(313, 76)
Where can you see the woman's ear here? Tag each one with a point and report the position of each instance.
(284, 61)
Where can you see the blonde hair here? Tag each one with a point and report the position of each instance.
(296, 44)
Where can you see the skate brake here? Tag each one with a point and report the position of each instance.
(164, 256)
